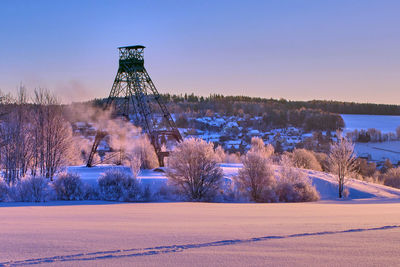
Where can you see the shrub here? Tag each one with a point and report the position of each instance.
(232, 158)
(365, 168)
(322, 158)
(220, 155)
(257, 145)
(192, 168)
(297, 192)
(116, 185)
(68, 186)
(90, 192)
(293, 184)
(288, 173)
(305, 159)
(392, 177)
(3, 190)
(256, 178)
(32, 189)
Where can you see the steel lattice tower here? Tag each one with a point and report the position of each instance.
(135, 96)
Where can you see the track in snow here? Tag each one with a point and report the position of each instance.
(138, 252)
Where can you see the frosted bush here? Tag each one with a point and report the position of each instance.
(116, 185)
(256, 178)
(293, 184)
(69, 186)
(392, 177)
(168, 193)
(3, 190)
(232, 158)
(220, 155)
(258, 146)
(193, 170)
(305, 159)
(90, 192)
(322, 158)
(32, 189)
(296, 192)
(288, 173)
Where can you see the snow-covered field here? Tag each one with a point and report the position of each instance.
(379, 151)
(362, 231)
(333, 233)
(383, 123)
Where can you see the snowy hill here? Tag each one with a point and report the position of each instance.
(325, 183)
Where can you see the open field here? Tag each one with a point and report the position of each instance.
(348, 233)
(384, 123)
(380, 151)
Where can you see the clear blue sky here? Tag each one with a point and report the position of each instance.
(312, 49)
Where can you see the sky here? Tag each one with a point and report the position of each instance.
(295, 49)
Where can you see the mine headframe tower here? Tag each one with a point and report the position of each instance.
(136, 97)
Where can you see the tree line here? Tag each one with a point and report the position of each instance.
(339, 107)
(34, 135)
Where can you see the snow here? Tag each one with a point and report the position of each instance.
(380, 151)
(200, 234)
(325, 183)
(362, 231)
(383, 123)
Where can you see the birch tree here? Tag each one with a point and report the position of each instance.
(342, 161)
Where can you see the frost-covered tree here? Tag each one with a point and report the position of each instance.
(342, 161)
(192, 168)
(256, 178)
(257, 145)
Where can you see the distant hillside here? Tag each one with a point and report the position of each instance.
(226, 104)
(324, 105)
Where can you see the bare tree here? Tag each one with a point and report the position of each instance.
(342, 161)
(193, 169)
(52, 135)
(15, 139)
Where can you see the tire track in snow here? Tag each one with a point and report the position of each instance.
(138, 252)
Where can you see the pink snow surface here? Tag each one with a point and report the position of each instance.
(328, 233)
(362, 231)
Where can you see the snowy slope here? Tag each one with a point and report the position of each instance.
(325, 183)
